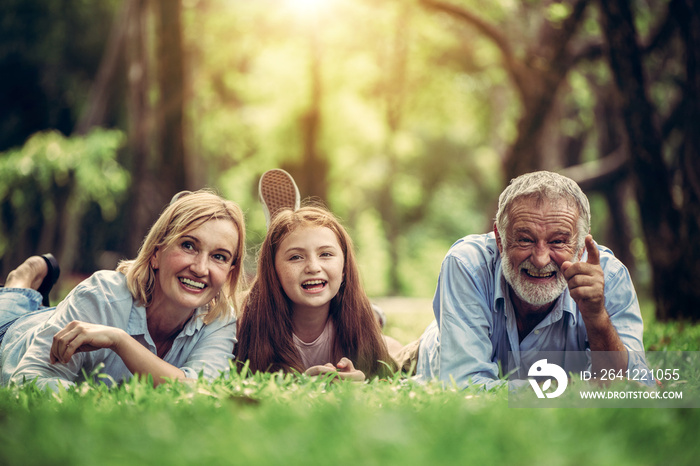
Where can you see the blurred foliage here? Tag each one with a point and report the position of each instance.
(416, 112)
(47, 186)
(250, 75)
(49, 53)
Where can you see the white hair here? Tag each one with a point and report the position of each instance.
(544, 186)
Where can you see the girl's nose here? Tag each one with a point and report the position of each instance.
(312, 265)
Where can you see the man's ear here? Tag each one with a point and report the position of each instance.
(498, 238)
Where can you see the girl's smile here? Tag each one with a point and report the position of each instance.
(309, 264)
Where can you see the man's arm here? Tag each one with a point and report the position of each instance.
(464, 316)
(586, 281)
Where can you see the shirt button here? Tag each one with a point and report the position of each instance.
(537, 332)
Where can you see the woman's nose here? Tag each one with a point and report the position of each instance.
(199, 265)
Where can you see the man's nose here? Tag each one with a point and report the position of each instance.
(540, 256)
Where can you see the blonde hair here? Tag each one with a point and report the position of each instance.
(184, 214)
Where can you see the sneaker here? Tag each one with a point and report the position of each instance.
(277, 191)
(379, 315)
(179, 195)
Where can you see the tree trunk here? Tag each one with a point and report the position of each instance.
(170, 166)
(141, 206)
(311, 173)
(674, 274)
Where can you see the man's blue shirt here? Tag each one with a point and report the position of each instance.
(475, 326)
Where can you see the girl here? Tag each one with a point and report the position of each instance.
(307, 311)
(166, 313)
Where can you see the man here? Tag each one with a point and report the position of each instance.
(537, 283)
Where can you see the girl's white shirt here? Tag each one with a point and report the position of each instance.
(317, 352)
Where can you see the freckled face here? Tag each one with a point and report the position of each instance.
(191, 271)
(309, 264)
(538, 240)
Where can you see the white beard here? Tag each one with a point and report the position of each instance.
(531, 293)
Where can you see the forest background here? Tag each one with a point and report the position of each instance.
(407, 117)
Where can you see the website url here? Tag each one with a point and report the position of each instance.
(631, 395)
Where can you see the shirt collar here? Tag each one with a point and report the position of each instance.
(195, 323)
(501, 287)
(138, 325)
(137, 321)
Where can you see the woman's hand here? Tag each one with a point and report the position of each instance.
(78, 337)
(345, 370)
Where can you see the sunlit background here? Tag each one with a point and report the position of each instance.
(406, 117)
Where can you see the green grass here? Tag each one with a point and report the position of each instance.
(275, 419)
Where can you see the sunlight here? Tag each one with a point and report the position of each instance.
(308, 7)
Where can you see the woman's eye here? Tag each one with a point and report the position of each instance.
(220, 257)
(187, 245)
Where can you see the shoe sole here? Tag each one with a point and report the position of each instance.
(278, 191)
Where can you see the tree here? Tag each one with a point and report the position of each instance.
(156, 147)
(670, 226)
(631, 144)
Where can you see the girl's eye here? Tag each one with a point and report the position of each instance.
(295, 257)
(326, 254)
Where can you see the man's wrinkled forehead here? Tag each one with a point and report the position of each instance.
(539, 201)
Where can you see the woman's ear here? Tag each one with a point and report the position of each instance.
(154, 259)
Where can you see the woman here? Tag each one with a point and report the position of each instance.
(166, 313)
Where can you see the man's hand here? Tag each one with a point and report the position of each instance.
(587, 287)
(587, 282)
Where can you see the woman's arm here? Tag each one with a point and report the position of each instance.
(78, 337)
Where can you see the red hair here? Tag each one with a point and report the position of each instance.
(265, 326)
